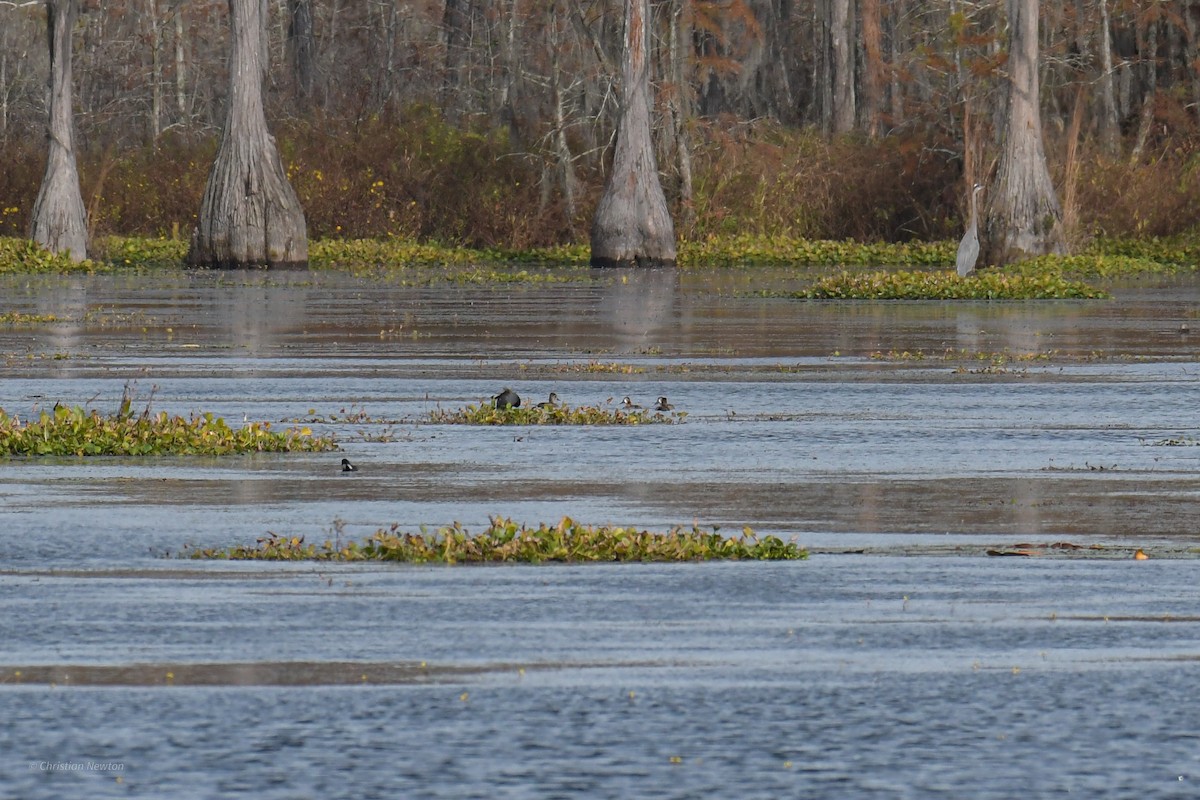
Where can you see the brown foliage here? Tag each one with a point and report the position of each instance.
(770, 180)
(1158, 198)
(425, 179)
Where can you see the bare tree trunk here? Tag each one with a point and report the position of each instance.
(872, 34)
(1023, 216)
(456, 23)
(59, 220)
(1110, 126)
(250, 215)
(822, 74)
(841, 32)
(4, 84)
(1192, 54)
(1149, 49)
(181, 103)
(568, 181)
(679, 106)
(156, 70)
(897, 31)
(633, 226)
(300, 37)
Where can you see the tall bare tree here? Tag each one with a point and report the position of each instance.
(59, 220)
(841, 39)
(873, 67)
(632, 225)
(1023, 216)
(300, 40)
(250, 215)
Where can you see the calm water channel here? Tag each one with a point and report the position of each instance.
(905, 658)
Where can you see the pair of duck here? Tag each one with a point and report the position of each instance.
(660, 404)
(510, 399)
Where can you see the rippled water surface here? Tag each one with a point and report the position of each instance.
(901, 442)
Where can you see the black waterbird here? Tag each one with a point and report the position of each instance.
(507, 399)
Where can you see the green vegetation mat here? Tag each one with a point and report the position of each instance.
(916, 270)
(505, 541)
(486, 414)
(75, 431)
(947, 286)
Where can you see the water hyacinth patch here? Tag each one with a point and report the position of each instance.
(140, 252)
(757, 250)
(947, 286)
(487, 414)
(75, 431)
(505, 541)
(18, 318)
(26, 256)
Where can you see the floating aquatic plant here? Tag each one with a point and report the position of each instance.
(952, 354)
(140, 252)
(752, 250)
(506, 541)
(562, 414)
(1103, 258)
(600, 367)
(25, 255)
(80, 432)
(947, 286)
(19, 318)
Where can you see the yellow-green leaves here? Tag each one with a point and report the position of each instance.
(486, 414)
(946, 286)
(77, 432)
(506, 541)
(25, 256)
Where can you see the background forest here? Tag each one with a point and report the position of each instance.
(487, 122)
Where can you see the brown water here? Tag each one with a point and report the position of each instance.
(901, 660)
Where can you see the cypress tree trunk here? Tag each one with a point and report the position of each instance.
(1024, 218)
(250, 215)
(633, 226)
(59, 220)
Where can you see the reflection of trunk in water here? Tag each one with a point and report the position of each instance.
(259, 317)
(640, 304)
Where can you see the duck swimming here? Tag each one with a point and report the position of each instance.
(663, 405)
(551, 402)
(347, 466)
(629, 405)
(507, 399)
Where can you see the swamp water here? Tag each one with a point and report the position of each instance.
(900, 660)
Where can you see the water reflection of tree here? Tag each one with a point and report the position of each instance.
(640, 306)
(260, 316)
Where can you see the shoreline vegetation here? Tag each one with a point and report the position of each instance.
(915, 270)
(505, 541)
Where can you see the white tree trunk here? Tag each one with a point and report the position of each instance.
(59, 220)
(633, 226)
(250, 215)
(1023, 217)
